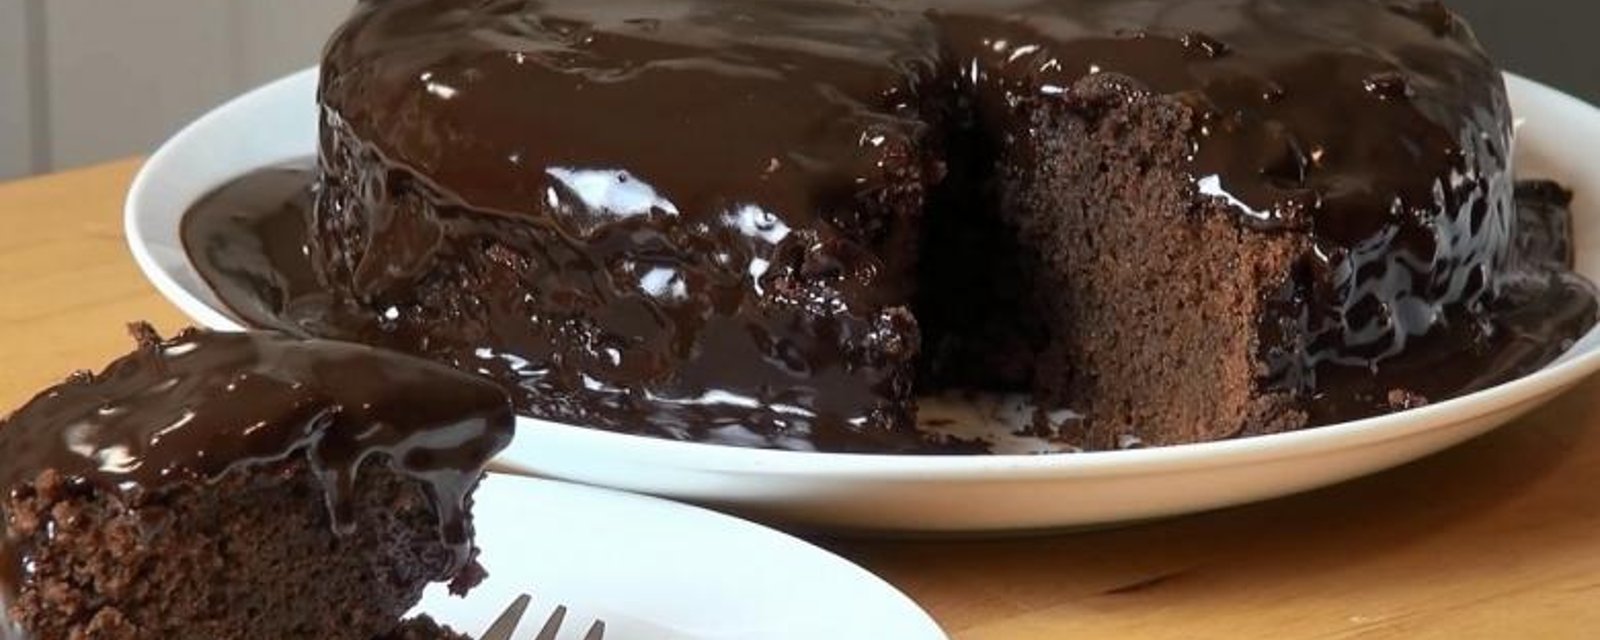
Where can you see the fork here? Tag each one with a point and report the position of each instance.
(508, 621)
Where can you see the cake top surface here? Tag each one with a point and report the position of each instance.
(792, 109)
(703, 110)
(202, 404)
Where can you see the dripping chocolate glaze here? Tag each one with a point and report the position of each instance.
(247, 241)
(636, 193)
(202, 405)
(695, 211)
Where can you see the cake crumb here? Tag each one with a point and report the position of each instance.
(1402, 399)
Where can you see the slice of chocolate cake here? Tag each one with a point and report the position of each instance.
(221, 486)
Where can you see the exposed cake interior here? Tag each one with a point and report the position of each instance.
(1082, 266)
(250, 552)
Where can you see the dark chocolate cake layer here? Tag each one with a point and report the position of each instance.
(242, 486)
(768, 224)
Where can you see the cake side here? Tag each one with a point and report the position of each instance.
(251, 555)
(1153, 292)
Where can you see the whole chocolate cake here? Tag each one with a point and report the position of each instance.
(242, 486)
(774, 223)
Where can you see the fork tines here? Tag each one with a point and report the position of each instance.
(508, 621)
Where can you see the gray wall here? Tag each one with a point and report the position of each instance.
(84, 81)
(1554, 41)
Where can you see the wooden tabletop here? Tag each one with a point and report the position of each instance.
(1499, 538)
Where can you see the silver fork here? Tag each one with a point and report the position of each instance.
(508, 621)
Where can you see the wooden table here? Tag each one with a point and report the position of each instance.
(1499, 538)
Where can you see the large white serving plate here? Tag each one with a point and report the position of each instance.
(278, 122)
(657, 570)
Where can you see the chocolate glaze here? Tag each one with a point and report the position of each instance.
(1541, 308)
(248, 242)
(697, 219)
(202, 405)
(741, 275)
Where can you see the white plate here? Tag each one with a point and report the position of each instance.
(658, 570)
(277, 123)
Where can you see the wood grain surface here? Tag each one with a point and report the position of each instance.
(1499, 538)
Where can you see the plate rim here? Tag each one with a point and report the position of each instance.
(1566, 371)
(724, 521)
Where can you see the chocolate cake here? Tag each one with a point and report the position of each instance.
(775, 223)
(229, 486)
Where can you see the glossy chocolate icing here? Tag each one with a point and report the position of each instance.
(697, 219)
(248, 242)
(202, 405)
(742, 274)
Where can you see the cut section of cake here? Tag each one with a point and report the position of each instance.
(229, 486)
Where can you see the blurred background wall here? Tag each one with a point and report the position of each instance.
(84, 81)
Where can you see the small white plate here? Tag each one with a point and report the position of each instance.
(658, 570)
(278, 123)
